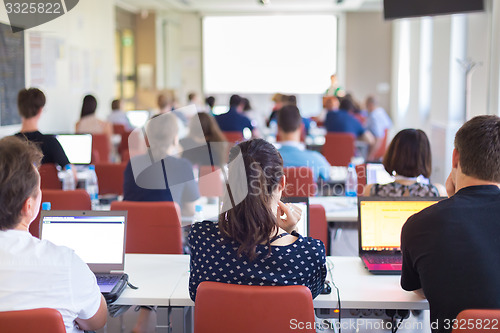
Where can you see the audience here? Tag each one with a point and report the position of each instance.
(88, 122)
(450, 250)
(36, 273)
(117, 115)
(165, 105)
(233, 120)
(409, 159)
(253, 235)
(30, 103)
(377, 122)
(292, 150)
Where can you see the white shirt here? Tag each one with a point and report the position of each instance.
(119, 117)
(39, 274)
(377, 122)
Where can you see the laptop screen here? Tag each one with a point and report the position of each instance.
(303, 204)
(381, 221)
(138, 118)
(77, 147)
(98, 237)
(376, 174)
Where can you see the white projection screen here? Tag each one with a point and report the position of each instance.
(268, 54)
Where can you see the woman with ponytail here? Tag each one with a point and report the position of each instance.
(255, 241)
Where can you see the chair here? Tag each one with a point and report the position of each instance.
(101, 148)
(225, 308)
(361, 172)
(489, 319)
(152, 227)
(339, 148)
(119, 129)
(210, 181)
(383, 146)
(110, 177)
(318, 226)
(62, 200)
(124, 145)
(234, 137)
(48, 177)
(299, 182)
(42, 320)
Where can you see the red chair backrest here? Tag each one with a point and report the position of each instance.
(42, 320)
(299, 182)
(383, 147)
(210, 182)
(101, 146)
(339, 148)
(477, 321)
(110, 177)
(318, 226)
(224, 308)
(234, 136)
(48, 177)
(62, 200)
(123, 148)
(152, 227)
(118, 129)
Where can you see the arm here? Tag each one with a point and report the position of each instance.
(97, 321)
(293, 214)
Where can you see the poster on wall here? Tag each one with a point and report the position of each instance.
(12, 73)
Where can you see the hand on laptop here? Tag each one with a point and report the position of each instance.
(293, 213)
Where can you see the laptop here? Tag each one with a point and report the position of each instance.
(380, 221)
(303, 204)
(137, 118)
(77, 147)
(376, 174)
(98, 238)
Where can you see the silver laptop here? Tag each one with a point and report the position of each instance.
(98, 238)
(303, 204)
(77, 147)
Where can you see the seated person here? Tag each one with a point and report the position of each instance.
(88, 122)
(343, 121)
(30, 103)
(36, 273)
(409, 159)
(377, 122)
(210, 133)
(450, 250)
(117, 115)
(233, 120)
(254, 234)
(158, 175)
(294, 152)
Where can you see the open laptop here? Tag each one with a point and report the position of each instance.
(380, 221)
(98, 238)
(77, 147)
(303, 204)
(376, 174)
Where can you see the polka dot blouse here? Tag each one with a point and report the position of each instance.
(213, 258)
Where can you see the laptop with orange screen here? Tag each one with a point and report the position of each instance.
(380, 221)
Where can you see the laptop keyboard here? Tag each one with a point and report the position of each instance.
(105, 279)
(382, 259)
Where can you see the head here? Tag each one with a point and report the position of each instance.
(477, 149)
(347, 105)
(332, 103)
(253, 221)
(19, 182)
(289, 123)
(89, 106)
(278, 100)
(164, 102)
(210, 101)
(192, 98)
(235, 101)
(161, 132)
(409, 154)
(210, 128)
(30, 102)
(116, 105)
(290, 100)
(333, 79)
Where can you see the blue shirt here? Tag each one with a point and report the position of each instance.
(214, 258)
(233, 121)
(170, 179)
(295, 155)
(342, 121)
(377, 122)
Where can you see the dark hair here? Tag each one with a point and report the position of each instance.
(19, 178)
(290, 100)
(29, 102)
(409, 154)
(246, 104)
(234, 101)
(478, 143)
(89, 106)
(210, 101)
(346, 104)
(191, 95)
(251, 221)
(289, 119)
(210, 128)
(115, 105)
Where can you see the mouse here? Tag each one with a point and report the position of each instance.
(327, 288)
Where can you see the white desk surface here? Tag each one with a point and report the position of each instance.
(163, 280)
(338, 208)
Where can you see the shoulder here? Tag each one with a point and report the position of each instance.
(428, 216)
(203, 230)
(310, 245)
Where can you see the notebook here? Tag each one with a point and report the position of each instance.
(77, 147)
(380, 221)
(98, 238)
(303, 204)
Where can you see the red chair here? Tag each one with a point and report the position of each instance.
(383, 147)
(477, 321)
(299, 182)
(62, 200)
(119, 129)
(42, 320)
(210, 181)
(101, 148)
(110, 177)
(251, 309)
(152, 227)
(318, 226)
(123, 148)
(234, 137)
(339, 148)
(48, 177)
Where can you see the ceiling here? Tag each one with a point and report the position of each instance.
(251, 6)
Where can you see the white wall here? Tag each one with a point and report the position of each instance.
(86, 42)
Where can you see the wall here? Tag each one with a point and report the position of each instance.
(83, 63)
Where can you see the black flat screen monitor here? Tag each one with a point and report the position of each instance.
(394, 9)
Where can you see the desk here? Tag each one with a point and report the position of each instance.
(338, 209)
